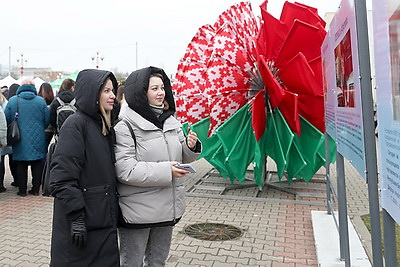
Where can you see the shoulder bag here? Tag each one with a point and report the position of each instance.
(13, 135)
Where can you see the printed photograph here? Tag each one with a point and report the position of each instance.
(344, 73)
(394, 39)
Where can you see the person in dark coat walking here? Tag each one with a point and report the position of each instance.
(83, 179)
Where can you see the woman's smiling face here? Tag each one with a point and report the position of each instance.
(155, 92)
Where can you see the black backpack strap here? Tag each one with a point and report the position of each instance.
(131, 130)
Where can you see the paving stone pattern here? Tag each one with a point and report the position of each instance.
(277, 227)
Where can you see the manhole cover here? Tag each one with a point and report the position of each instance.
(212, 231)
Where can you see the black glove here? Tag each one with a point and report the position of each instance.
(78, 231)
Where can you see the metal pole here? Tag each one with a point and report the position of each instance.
(342, 206)
(389, 233)
(21, 60)
(9, 60)
(328, 176)
(369, 129)
(136, 55)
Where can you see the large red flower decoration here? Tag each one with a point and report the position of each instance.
(213, 77)
(271, 69)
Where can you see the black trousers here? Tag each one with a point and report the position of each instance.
(22, 174)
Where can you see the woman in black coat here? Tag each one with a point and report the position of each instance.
(82, 178)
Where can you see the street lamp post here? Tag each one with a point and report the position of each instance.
(97, 59)
(22, 61)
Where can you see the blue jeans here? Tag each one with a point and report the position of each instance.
(145, 247)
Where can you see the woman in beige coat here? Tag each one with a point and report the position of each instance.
(152, 196)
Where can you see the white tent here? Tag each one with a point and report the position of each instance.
(7, 81)
(38, 82)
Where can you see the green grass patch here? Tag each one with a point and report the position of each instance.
(367, 222)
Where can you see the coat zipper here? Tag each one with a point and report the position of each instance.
(173, 183)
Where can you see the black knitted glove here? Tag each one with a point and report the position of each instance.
(78, 231)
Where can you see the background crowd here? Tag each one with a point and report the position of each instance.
(37, 125)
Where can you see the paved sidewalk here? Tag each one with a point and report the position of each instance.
(277, 227)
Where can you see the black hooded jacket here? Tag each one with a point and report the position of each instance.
(82, 180)
(137, 99)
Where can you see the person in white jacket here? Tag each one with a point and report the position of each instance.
(150, 186)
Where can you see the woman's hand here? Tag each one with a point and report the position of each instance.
(191, 139)
(176, 172)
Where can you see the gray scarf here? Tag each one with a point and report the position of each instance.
(158, 110)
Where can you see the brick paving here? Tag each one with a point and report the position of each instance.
(277, 227)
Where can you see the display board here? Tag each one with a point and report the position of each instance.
(343, 94)
(386, 17)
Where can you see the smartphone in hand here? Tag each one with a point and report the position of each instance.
(187, 167)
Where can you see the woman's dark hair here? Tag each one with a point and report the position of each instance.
(67, 84)
(46, 91)
(159, 75)
(12, 91)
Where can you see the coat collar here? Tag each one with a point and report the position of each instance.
(136, 119)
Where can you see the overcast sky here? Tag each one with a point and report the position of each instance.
(64, 35)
